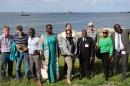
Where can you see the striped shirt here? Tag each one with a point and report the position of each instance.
(5, 43)
(23, 40)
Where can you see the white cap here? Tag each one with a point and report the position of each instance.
(90, 24)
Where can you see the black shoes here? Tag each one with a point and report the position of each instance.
(80, 77)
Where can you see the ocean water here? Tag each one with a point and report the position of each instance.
(58, 20)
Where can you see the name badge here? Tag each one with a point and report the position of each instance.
(123, 52)
(86, 45)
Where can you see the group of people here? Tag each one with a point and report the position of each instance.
(36, 51)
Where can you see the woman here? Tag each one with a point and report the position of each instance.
(49, 44)
(105, 46)
(69, 48)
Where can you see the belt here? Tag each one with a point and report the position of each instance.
(5, 52)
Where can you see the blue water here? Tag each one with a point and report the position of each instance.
(58, 20)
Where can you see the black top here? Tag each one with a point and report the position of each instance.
(71, 42)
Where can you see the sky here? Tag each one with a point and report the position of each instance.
(64, 5)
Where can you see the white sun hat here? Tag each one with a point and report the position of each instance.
(90, 24)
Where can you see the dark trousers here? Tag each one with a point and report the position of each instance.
(5, 60)
(105, 62)
(34, 65)
(84, 66)
(124, 62)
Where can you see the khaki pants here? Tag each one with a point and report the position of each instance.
(70, 64)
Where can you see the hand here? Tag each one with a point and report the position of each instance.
(71, 54)
(110, 58)
(92, 59)
(36, 52)
(43, 62)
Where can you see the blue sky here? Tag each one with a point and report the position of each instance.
(65, 5)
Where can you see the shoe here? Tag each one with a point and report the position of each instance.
(88, 77)
(123, 77)
(68, 81)
(80, 77)
(10, 78)
(106, 78)
(18, 74)
(3, 74)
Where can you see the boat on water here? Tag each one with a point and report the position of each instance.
(24, 14)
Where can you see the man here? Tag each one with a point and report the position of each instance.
(33, 47)
(5, 44)
(121, 48)
(21, 40)
(85, 51)
(91, 32)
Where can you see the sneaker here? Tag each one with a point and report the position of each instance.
(68, 81)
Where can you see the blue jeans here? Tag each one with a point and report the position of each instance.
(4, 61)
(24, 56)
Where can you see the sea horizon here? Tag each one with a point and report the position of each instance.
(79, 20)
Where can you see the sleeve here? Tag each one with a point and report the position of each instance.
(78, 47)
(127, 30)
(64, 47)
(92, 48)
(111, 47)
(41, 39)
(0, 40)
(28, 44)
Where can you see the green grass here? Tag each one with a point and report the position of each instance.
(97, 80)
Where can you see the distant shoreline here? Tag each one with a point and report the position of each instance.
(66, 12)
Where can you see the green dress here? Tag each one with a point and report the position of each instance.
(51, 56)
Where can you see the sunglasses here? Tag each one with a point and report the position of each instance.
(68, 33)
(91, 26)
(105, 32)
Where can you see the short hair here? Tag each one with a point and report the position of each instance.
(32, 29)
(84, 30)
(19, 28)
(117, 25)
(6, 27)
(49, 25)
(68, 24)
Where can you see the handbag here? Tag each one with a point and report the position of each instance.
(44, 71)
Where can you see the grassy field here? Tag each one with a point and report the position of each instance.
(97, 80)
